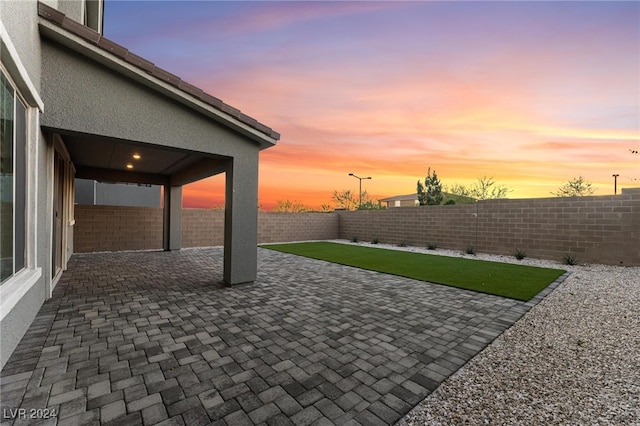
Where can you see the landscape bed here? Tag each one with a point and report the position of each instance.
(520, 282)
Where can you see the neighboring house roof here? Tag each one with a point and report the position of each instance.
(60, 20)
(459, 199)
(408, 197)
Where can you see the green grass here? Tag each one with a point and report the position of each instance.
(503, 279)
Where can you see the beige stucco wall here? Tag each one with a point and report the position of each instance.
(19, 20)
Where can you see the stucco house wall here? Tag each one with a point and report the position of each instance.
(21, 296)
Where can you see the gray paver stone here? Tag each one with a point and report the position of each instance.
(154, 414)
(262, 414)
(288, 405)
(112, 411)
(306, 416)
(238, 418)
(196, 416)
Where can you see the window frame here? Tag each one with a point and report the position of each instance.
(13, 290)
(19, 180)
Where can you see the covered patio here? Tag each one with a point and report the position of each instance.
(114, 116)
(146, 338)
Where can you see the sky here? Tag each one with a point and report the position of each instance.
(533, 94)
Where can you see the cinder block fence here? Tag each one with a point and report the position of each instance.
(115, 228)
(598, 229)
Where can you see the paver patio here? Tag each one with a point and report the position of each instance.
(155, 338)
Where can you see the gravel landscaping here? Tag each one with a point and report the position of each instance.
(572, 359)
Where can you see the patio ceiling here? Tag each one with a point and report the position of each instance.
(102, 158)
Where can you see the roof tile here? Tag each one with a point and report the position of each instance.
(211, 100)
(139, 61)
(191, 89)
(247, 120)
(50, 13)
(274, 135)
(80, 30)
(230, 110)
(264, 129)
(112, 47)
(165, 76)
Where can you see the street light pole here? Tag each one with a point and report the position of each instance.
(360, 179)
(615, 184)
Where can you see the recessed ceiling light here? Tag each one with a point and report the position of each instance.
(129, 166)
(136, 156)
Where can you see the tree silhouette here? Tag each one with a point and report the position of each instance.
(431, 192)
(577, 187)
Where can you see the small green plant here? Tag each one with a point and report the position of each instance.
(520, 254)
(570, 259)
(375, 241)
(354, 240)
(432, 246)
(470, 249)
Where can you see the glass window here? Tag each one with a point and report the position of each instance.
(12, 180)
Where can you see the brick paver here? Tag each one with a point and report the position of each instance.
(155, 338)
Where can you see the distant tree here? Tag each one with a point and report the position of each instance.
(326, 208)
(369, 204)
(576, 187)
(457, 189)
(289, 206)
(486, 188)
(345, 199)
(431, 192)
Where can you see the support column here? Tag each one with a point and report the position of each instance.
(241, 220)
(172, 218)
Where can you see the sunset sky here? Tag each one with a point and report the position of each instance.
(531, 93)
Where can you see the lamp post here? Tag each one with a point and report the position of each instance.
(360, 179)
(615, 184)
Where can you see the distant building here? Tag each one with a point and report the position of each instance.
(401, 200)
(93, 192)
(411, 200)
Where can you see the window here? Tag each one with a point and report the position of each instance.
(12, 180)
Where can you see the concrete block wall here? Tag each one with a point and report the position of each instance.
(598, 229)
(202, 227)
(274, 227)
(116, 228)
(602, 229)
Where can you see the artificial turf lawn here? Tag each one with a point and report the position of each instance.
(518, 282)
